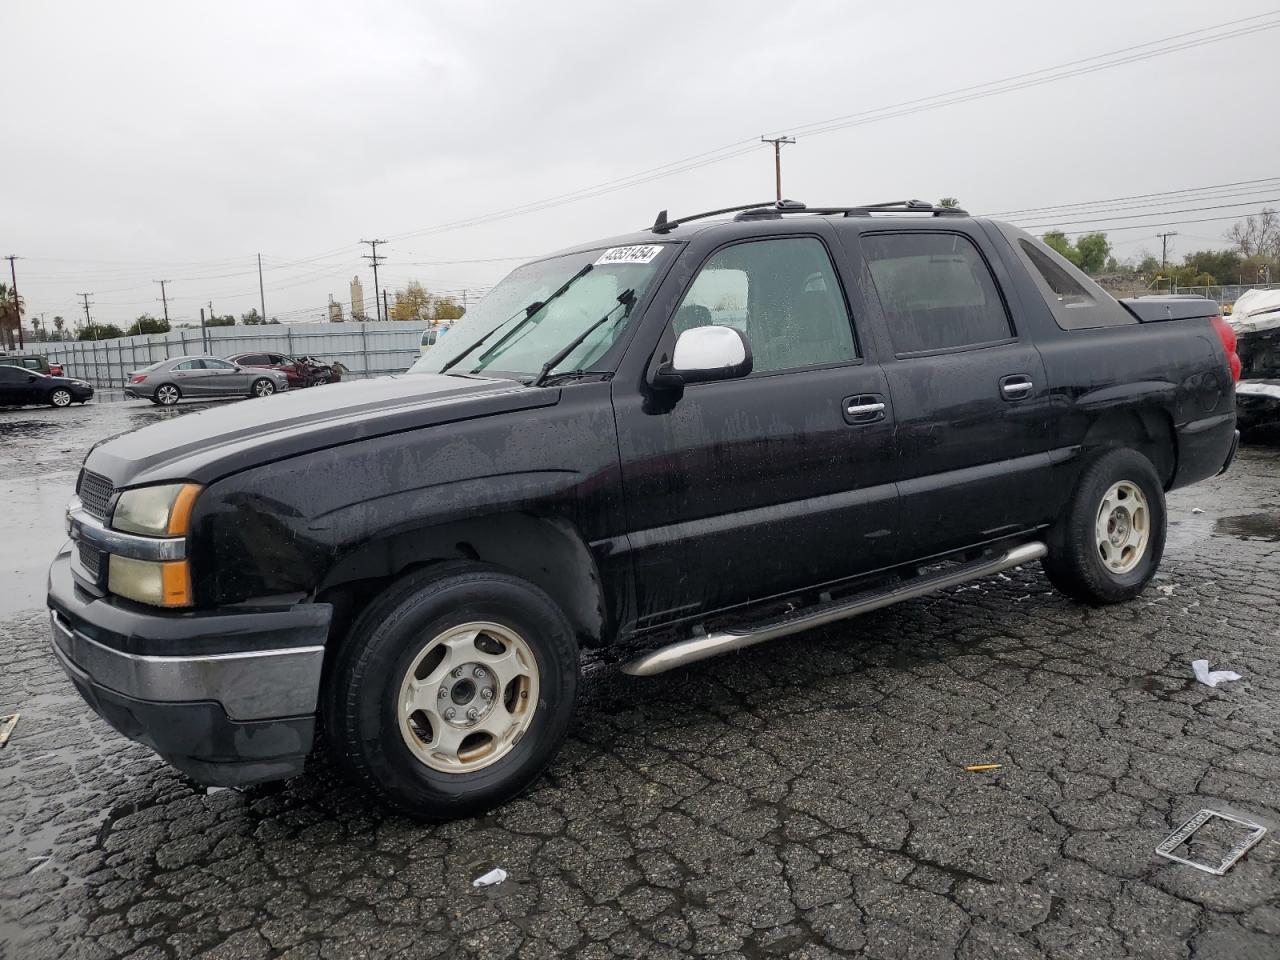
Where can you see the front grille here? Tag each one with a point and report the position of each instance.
(90, 559)
(95, 493)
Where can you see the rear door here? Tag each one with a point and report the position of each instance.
(740, 490)
(969, 389)
(189, 376)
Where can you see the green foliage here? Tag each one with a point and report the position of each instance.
(147, 324)
(227, 321)
(949, 202)
(1221, 266)
(1089, 253)
(251, 319)
(416, 303)
(101, 331)
(1093, 250)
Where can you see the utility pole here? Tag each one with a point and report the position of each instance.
(386, 313)
(204, 337)
(17, 303)
(778, 143)
(1164, 247)
(88, 322)
(374, 259)
(164, 298)
(262, 298)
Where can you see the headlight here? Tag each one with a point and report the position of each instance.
(163, 511)
(160, 583)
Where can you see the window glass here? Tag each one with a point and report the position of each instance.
(782, 294)
(211, 364)
(1076, 302)
(13, 374)
(276, 360)
(936, 290)
(190, 365)
(1068, 290)
(254, 360)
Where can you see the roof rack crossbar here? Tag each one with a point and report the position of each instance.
(663, 225)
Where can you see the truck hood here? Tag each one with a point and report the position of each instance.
(204, 446)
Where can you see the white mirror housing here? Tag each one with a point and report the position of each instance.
(711, 353)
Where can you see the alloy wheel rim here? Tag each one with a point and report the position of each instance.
(168, 395)
(468, 697)
(265, 388)
(61, 398)
(1122, 530)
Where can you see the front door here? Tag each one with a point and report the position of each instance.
(740, 490)
(226, 379)
(969, 392)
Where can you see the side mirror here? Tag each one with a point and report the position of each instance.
(704, 354)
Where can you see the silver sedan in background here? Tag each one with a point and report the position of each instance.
(169, 381)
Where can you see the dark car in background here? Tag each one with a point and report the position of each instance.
(168, 381)
(300, 371)
(33, 362)
(20, 387)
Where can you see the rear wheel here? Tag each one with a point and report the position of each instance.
(1107, 545)
(167, 395)
(263, 387)
(453, 691)
(60, 397)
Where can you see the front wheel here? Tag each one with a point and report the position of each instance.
(1107, 545)
(453, 691)
(263, 388)
(60, 398)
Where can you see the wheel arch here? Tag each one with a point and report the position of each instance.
(549, 552)
(1149, 430)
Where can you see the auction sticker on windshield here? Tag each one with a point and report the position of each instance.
(637, 254)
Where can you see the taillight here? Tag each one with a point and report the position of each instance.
(137, 378)
(1228, 337)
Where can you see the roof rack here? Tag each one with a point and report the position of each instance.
(773, 211)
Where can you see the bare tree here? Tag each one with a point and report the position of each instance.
(1257, 236)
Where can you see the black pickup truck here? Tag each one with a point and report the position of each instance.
(675, 443)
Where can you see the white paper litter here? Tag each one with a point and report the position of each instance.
(496, 875)
(1211, 678)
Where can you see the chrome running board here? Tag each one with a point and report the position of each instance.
(684, 652)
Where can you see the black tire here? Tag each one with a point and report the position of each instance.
(167, 394)
(262, 387)
(360, 700)
(60, 397)
(1074, 564)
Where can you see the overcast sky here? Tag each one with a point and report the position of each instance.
(176, 141)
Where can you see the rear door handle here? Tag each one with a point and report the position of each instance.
(864, 408)
(1018, 386)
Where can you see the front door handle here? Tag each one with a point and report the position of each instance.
(865, 408)
(1016, 387)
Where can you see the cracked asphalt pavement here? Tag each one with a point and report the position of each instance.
(805, 798)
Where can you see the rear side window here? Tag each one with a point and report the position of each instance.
(936, 290)
(1076, 302)
(254, 360)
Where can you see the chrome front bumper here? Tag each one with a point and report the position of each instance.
(262, 684)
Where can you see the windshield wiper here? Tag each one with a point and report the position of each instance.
(529, 311)
(626, 298)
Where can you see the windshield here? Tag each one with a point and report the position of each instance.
(527, 340)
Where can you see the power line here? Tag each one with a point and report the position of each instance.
(1138, 216)
(1139, 196)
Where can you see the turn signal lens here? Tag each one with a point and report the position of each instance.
(159, 583)
(163, 511)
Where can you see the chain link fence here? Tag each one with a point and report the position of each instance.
(366, 349)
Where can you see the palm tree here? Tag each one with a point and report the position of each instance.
(10, 316)
(57, 325)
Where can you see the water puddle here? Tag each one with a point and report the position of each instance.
(1250, 526)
